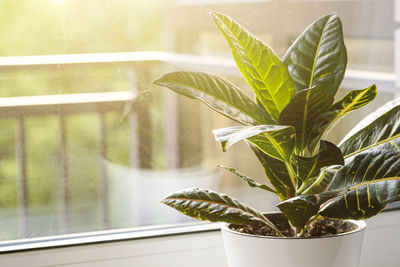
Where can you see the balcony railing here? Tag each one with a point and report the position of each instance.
(61, 106)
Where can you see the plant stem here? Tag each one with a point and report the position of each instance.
(302, 187)
(304, 229)
(292, 175)
(318, 181)
(295, 231)
(279, 233)
(302, 232)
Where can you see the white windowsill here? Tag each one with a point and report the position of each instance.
(92, 238)
(201, 245)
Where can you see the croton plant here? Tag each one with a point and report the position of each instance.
(286, 124)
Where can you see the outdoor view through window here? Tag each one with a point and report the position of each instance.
(87, 143)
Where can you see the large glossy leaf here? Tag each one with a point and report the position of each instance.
(353, 100)
(303, 110)
(275, 140)
(204, 204)
(277, 174)
(363, 200)
(218, 94)
(250, 182)
(318, 56)
(298, 211)
(328, 155)
(367, 183)
(358, 201)
(372, 117)
(372, 164)
(260, 66)
(380, 127)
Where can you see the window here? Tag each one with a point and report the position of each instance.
(88, 144)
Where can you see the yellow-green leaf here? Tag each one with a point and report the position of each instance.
(352, 101)
(275, 140)
(266, 74)
(217, 93)
(203, 204)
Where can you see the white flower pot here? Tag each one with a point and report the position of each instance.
(342, 250)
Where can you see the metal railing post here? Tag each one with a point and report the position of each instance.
(22, 192)
(103, 177)
(64, 215)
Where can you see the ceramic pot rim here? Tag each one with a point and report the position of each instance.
(359, 224)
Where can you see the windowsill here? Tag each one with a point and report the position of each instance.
(105, 237)
(127, 234)
(163, 246)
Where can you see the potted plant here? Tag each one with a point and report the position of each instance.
(323, 188)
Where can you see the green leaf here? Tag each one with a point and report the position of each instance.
(318, 57)
(261, 67)
(298, 211)
(203, 204)
(382, 162)
(302, 112)
(249, 181)
(363, 200)
(379, 128)
(276, 173)
(367, 183)
(328, 155)
(353, 100)
(275, 140)
(217, 93)
(373, 116)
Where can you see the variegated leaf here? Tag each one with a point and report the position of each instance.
(352, 101)
(318, 57)
(217, 93)
(367, 183)
(363, 200)
(379, 128)
(372, 117)
(277, 173)
(203, 204)
(266, 74)
(250, 182)
(328, 155)
(298, 211)
(275, 140)
(302, 112)
(382, 162)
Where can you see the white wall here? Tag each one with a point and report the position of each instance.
(380, 247)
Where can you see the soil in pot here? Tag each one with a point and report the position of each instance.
(321, 227)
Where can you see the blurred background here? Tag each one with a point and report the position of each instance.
(87, 143)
